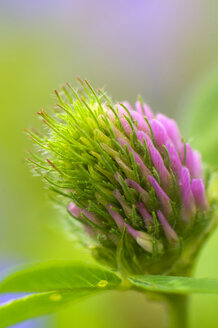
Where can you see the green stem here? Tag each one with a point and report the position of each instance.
(178, 310)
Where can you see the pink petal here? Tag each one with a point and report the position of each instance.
(147, 217)
(140, 122)
(172, 130)
(164, 199)
(144, 111)
(74, 210)
(159, 131)
(127, 209)
(169, 232)
(175, 161)
(158, 162)
(142, 238)
(117, 217)
(188, 203)
(198, 190)
(192, 160)
(143, 193)
(157, 159)
(144, 170)
(142, 136)
(127, 105)
(121, 113)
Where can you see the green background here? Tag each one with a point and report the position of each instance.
(167, 53)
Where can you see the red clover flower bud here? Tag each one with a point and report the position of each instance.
(127, 175)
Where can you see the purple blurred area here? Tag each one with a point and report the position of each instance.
(35, 323)
(153, 47)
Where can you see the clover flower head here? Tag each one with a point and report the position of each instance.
(127, 175)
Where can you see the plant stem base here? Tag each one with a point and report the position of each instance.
(178, 310)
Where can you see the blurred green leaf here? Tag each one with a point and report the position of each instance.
(175, 285)
(200, 116)
(62, 276)
(36, 305)
(55, 284)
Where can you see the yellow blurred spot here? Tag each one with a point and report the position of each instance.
(102, 283)
(91, 246)
(55, 297)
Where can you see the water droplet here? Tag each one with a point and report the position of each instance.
(102, 283)
(55, 297)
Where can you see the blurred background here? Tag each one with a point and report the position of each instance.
(167, 51)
